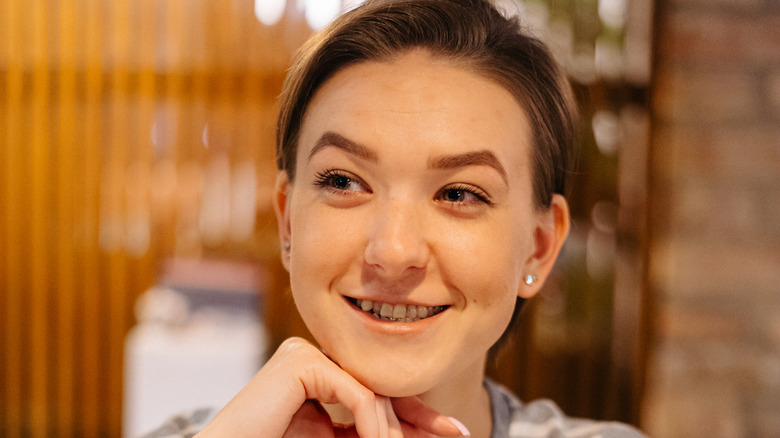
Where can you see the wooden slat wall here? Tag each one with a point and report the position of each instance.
(12, 164)
(103, 106)
(66, 292)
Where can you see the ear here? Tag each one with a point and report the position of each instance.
(281, 208)
(550, 233)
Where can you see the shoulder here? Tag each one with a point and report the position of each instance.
(184, 425)
(544, 419)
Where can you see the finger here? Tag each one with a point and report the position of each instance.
(393, 425)
(297, 371)
(324, 380)
(402, 429)
(413, 411)
(336, 386)
(407, 430)
(381, 404)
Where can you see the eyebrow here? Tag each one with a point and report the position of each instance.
(443, 162)
(476, 158)
(332, 139)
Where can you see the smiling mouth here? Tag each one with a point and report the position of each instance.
(396, 312)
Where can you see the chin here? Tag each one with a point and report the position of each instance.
(394, 384)
(394, 379)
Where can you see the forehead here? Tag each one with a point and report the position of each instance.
(420, 100)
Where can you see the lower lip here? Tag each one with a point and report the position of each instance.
(394, 327)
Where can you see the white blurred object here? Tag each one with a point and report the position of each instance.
(269, 12)
(319, 13)
(162, 305)
(195, 345)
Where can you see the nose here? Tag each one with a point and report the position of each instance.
(397, 243)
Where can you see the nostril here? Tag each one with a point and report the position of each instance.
(395, 256)
(397, 239)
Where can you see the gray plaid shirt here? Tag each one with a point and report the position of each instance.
(544, 419)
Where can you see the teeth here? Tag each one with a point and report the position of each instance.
(398, 312)
(387, 311)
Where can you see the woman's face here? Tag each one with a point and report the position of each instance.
(411, 221)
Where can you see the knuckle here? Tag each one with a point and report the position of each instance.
(366, 396)
(294, 345)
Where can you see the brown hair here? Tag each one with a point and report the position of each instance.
(471, 33)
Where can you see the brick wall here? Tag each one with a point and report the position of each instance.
(714, 243)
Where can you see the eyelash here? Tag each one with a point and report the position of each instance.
(327, 180)
(474, 191)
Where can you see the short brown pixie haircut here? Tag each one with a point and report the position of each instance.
(471, 33)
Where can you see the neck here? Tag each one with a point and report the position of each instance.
(464, 398)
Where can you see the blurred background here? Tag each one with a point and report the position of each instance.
(139, 270)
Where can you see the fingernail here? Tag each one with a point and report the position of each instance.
(463, 430)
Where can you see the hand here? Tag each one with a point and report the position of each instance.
(417, 420)
(282, 400)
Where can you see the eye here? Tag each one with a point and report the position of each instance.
(463, 195)
(339, 181)
(456, 195)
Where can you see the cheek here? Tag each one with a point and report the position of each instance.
(486, 278)
(323, 241)
(488, 259)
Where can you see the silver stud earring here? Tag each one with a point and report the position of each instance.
(530, 279)
(286, 247)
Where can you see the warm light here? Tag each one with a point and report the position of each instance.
(510, 8)
(613, 13)
(351, 4)
(321, 12)
(269, 12)
(606, 131)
